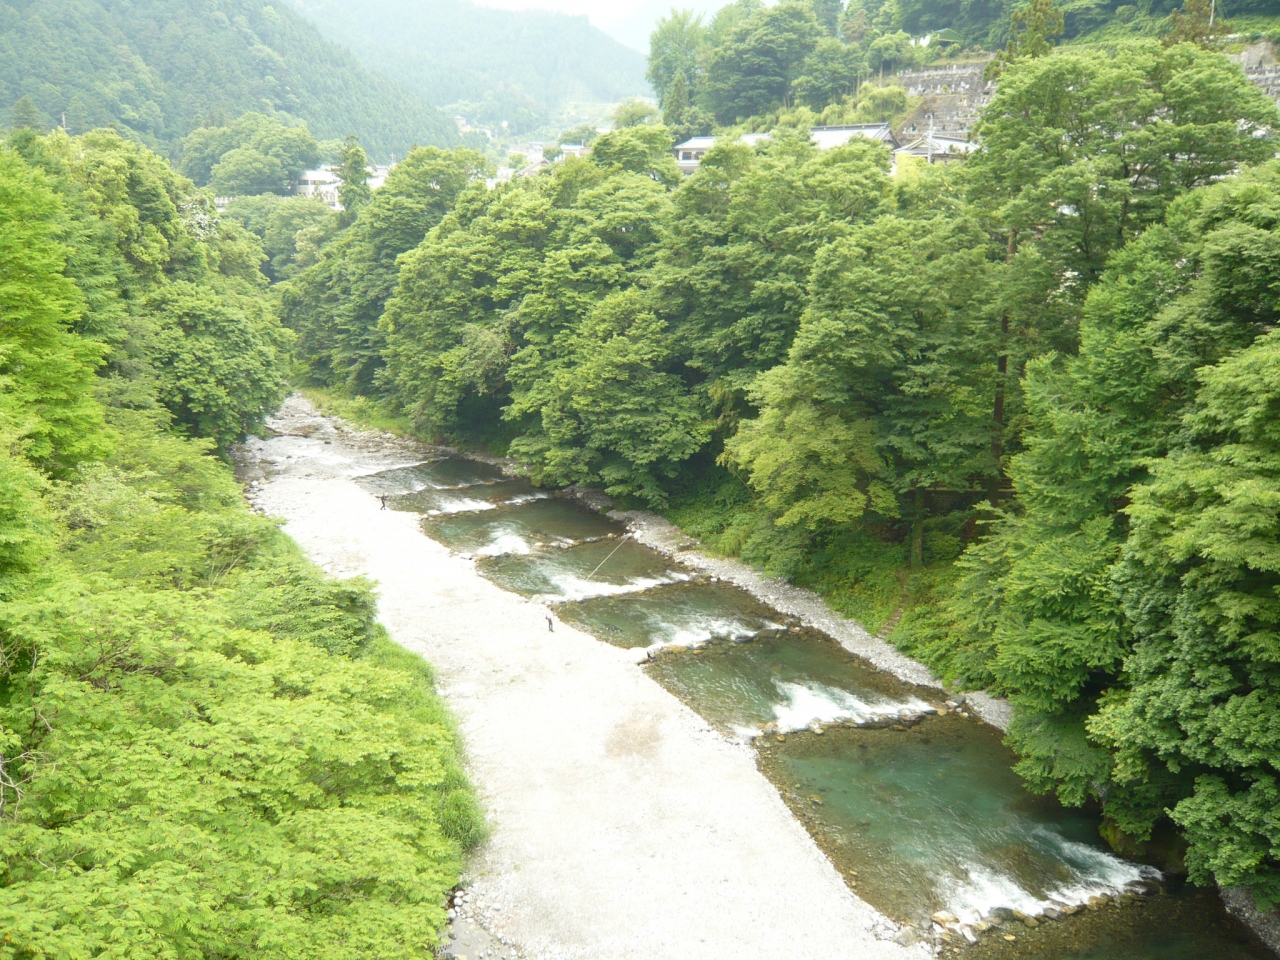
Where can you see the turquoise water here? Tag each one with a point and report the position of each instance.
(521, 528)
(919, 815)
(933, 818)
(450, 472)
(685, 614)
(605, 568)
(791, 679)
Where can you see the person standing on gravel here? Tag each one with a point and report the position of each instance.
(551, 624)
(383, 498)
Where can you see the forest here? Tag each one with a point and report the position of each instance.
(1021, 409)
(161, 69)
(518, 66)
(207, 747)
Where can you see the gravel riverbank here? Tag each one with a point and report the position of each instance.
(622, 825)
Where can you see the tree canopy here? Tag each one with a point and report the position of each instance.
(207, 746)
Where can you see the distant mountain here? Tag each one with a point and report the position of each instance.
(454, 51)
(162, 67)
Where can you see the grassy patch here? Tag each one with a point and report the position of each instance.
(362, 411)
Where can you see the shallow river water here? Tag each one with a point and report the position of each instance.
(916, 806)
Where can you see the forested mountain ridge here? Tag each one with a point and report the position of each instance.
(206, 746)
(505, 64)
(161, 68)
(1026, 399)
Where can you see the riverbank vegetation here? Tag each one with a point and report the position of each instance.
(206, 747)
(1032, 396)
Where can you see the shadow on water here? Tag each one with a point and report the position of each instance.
(920, 813)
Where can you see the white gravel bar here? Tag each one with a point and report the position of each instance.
(622, 826)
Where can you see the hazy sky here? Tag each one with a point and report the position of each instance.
(629, 21)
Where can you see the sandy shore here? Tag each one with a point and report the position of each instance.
(622, 826)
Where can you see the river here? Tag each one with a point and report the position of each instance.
(685, 768)
(915, 803)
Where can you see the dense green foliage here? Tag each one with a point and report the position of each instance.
(335, 305)
(1033, 397)
(161, 69)
(253, 155)
(493, 65)
(292, 229)
(206, 748)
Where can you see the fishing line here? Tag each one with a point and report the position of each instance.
(608, 558)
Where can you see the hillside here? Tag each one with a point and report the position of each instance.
(161, 68)
(986, 22)
(452, 51)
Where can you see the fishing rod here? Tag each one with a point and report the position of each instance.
(625, 536)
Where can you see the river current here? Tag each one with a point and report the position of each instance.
(916, 804)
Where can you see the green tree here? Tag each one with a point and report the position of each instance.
(254, 154)
(285, 226)
(754, 68)
(735, 260)
(1033, 26)
(676, 48)
(24, 115)
(1192, 24)
(247, 172)
(217, 360)
(1037, 604)
(335, 305)
(353, 171)
(46, 370)
(829, 13)
(614, 410)
(633, 112)
(645, 149)
(1200, 584)
(881, 394)
(829, 74)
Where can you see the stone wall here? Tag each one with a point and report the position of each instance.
(954, 95)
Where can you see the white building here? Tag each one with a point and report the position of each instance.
(935, 149)
(325, 182)
(322, 183)
(690, 153)
(826, 138)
